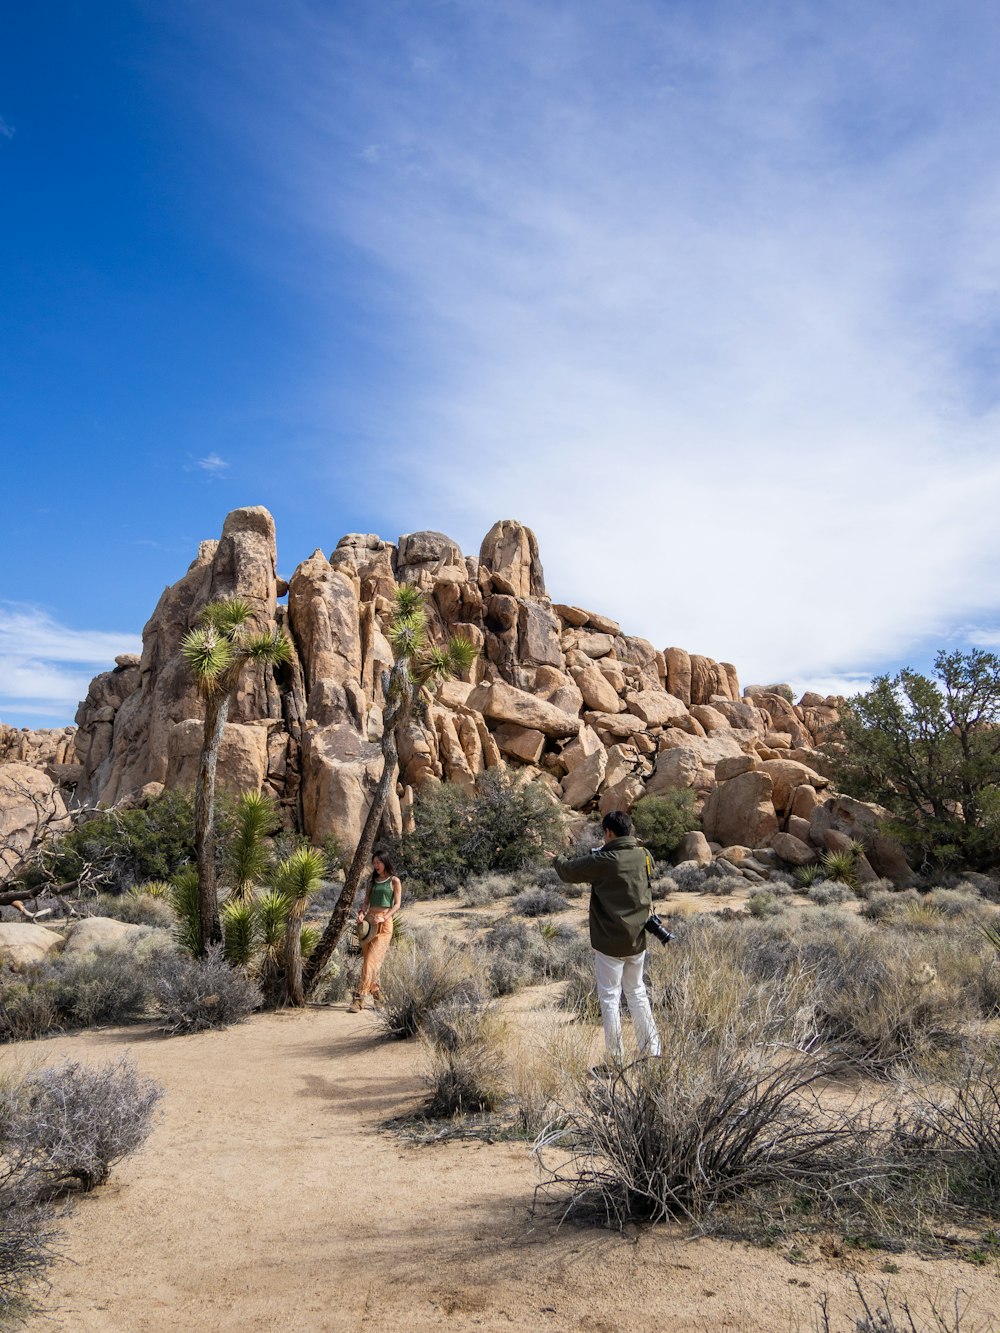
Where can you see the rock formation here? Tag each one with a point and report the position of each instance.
(558, 693)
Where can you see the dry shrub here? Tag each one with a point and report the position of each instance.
(60, 1128)
(193, 995)
(69, 1124)
(705, 1123)
(539, 901)
(423, 974)
(469, 1062)
(516, 954)
(26, 1251)
(957, 1128)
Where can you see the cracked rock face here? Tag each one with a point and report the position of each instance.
(558, 692)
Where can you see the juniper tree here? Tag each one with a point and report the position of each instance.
(929, 751)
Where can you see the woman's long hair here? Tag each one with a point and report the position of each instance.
(386, 860)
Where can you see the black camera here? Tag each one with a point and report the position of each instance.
(657, 929)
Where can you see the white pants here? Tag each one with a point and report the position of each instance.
(613, 976)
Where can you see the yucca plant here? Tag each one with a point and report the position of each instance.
(271, 911)
(417, 669)
(309, 937)
(239, 932)
(298, 878)
(186, 902)
(842, 866)
(248, 857)
(806, 875)
(216, 652)
(152, 888)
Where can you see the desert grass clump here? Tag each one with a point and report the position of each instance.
(764, 903)
(704, 1124)
(830, 893)
(29, 1005)
(194, 995)
(885, 904)
(469, 1061)
(482, 890)
(421, 975)
(540, 901)
(136, 908)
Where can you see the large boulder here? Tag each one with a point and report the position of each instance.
(859, 822)
(793, 850)
(509, 554)
(243, 756)
(23, 942)
(598, 692)
(31, 806)
(501, 702)
(741, 811)
(325, 617)
(582, 783)
(656, 708)
(98, 932)
(679, 673)
(538, 635)
(339, 774)
(675, 768)
(787, 775)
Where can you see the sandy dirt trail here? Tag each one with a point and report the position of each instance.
(269, 1197)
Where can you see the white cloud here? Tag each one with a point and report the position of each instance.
(7, 130)
(711, 305)
(46, 667)
(213, 464)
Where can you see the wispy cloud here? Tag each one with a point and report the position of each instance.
(212, 464)
(7, 130)
(46, 667)
(705, 294)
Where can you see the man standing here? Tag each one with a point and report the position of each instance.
(620, 902)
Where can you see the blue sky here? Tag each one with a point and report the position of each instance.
(706, 293)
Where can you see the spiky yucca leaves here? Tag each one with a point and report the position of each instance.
(248, 857)
(152, 888)
(298, 877)
(418, 667)
(216, 652)
(842, 866)
(309, 937)
(239, 932)
(184, 899)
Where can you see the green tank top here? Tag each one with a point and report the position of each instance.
(381, 894)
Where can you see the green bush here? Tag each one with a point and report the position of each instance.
(501, 827)
(126, 847)
(662, 821)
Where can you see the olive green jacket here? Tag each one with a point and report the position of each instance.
(620, 896)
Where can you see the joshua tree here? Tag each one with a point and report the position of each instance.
(298, 878)
(217, 651)
(416, 669)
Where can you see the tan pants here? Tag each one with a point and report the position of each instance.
(373, 952)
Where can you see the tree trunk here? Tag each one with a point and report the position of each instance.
(209, 925)
(294, 994)
(321, 955)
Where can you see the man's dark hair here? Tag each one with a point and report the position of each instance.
(618, 823)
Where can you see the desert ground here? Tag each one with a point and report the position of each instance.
(276, 1192)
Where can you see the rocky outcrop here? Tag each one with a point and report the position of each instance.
(558, 692)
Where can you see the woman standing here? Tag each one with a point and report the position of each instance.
(382, 902)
